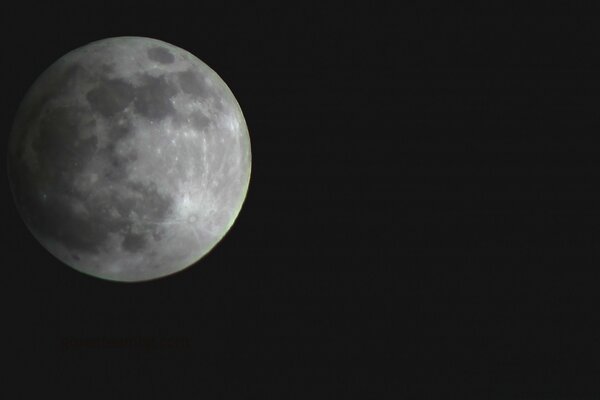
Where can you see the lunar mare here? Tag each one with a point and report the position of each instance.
(129, 159)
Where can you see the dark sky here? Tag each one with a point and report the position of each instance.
(422, 218)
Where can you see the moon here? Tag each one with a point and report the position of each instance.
(129, 159)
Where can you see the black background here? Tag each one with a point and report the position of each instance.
(422, 219)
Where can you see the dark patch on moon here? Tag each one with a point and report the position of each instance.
(118, 132)
(125, 206)
(134, 242)
(110, 96)
(153, 97)
(63, 211)
(115, 169)
(84, 231)
(200, 120)
(59, 146)
(52, 81)
(72, 74)
(192, 83)
(107, 68)
(158, 233)
(160, 55)
(155, 206)
(117, 162)
(88, 230)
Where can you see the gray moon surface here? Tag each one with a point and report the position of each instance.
(129, 159)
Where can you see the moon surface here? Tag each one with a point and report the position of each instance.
(129, 159)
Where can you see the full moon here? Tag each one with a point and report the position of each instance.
(129, 159)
